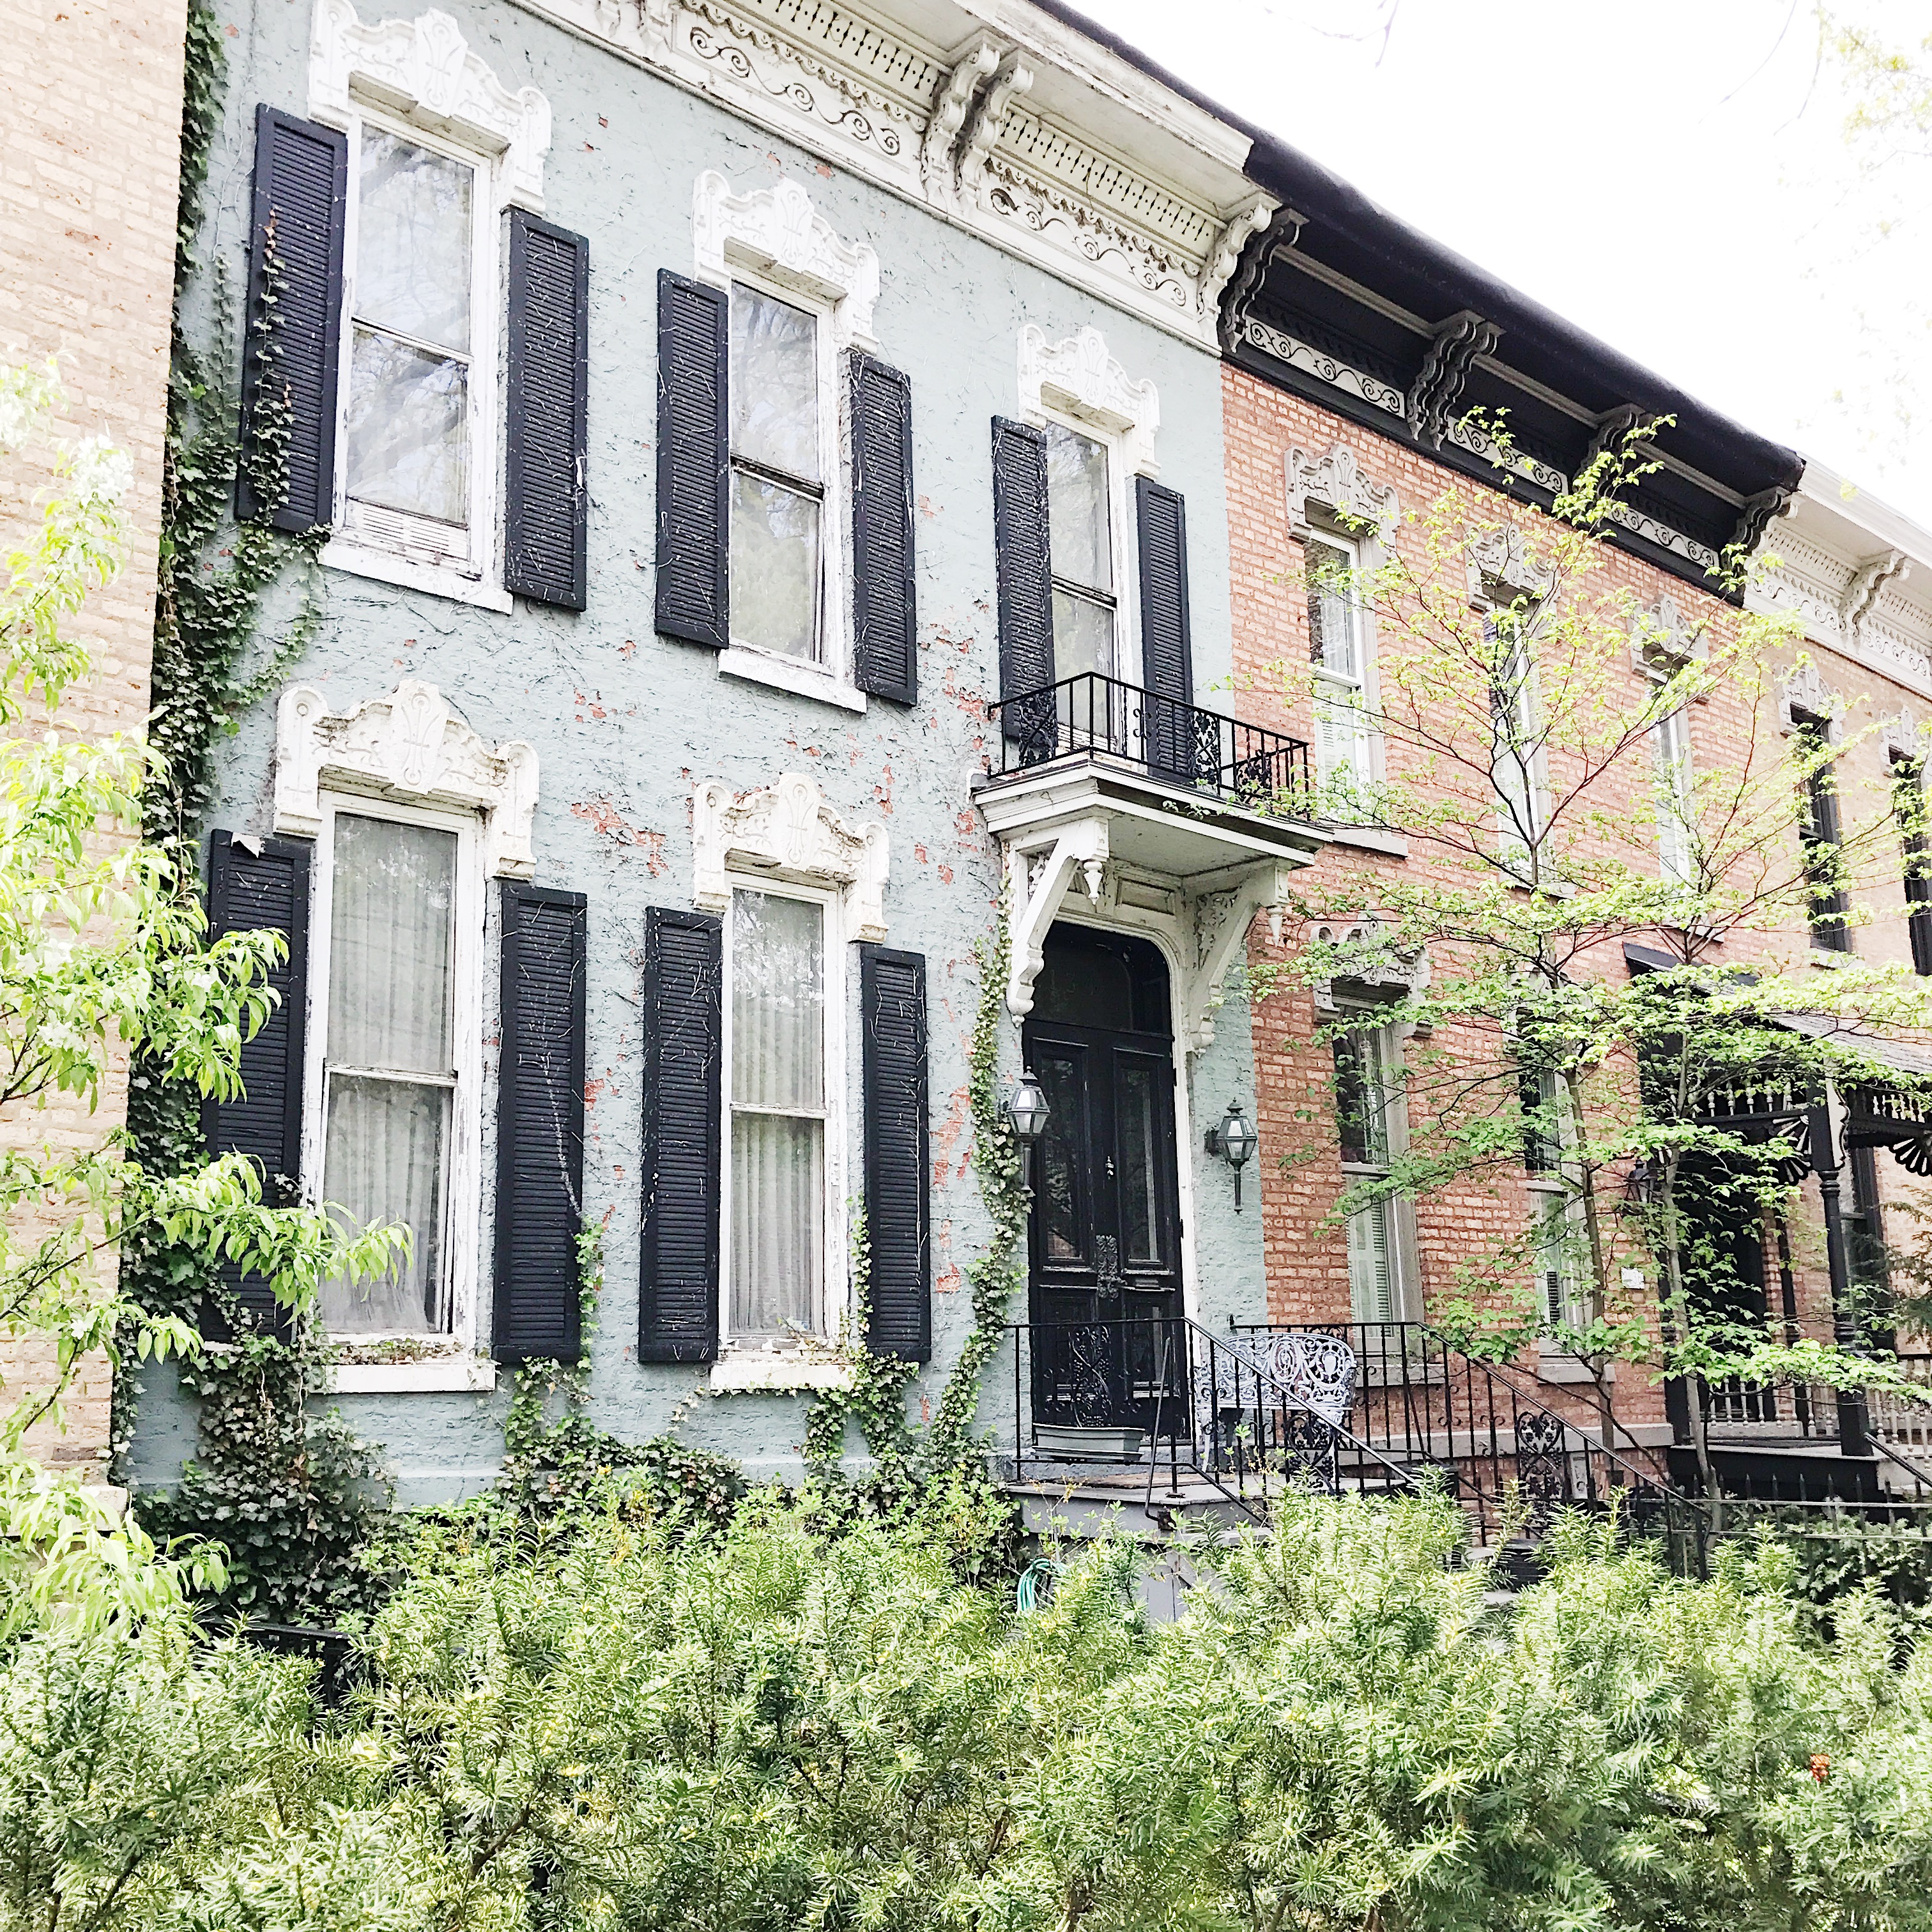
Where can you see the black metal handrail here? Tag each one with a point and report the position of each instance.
(1511, 1460)
(1143, 1392)
(1205, 751)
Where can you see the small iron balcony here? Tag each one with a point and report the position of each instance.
(1100, 718)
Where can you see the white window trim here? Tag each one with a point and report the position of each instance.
(764, 1362)
(1127, 665)
(1364, 557)
(462, 1193)
(476, 577)
(1675, 783)
(1406, 1300)
(772, 240)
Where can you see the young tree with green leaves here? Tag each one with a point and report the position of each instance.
(104, 953)
(1539, 766)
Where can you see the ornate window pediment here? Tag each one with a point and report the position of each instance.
(1806, 695)
(1401, 973)
(1663, 640)
(1335, 483)
(1501, 569)
(775, 232)
(423, 69)
(787, 831)
(1078, 377)
(410, 747)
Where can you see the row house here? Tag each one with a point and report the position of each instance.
(715, 410)
(799, 486)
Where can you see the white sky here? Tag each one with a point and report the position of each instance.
(1670, 175)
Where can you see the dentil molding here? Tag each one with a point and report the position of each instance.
(423, 71)
(1078, 377)
(787, 831)
(1336, 483)
(411, 748)
(775, 232)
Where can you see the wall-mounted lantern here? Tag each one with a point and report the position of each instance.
(1234, 1140)
(1026, 1109)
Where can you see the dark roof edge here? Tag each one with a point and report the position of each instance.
(1314, 191)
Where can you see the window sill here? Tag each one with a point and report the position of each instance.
(1371, 838)
(1559, 1365)
(462, 1374)
(776, 1371)
(361, 559)
(802, 680)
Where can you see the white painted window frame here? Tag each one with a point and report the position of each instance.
(829, 675)
(462, 1192)
(1324, 526)
(1123, 533)
(1406, 1302)
(1676, 794)
(356, 545)
(829, 1319)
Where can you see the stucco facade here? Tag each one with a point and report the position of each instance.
(624, 725)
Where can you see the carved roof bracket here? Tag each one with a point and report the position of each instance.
(1220, 922)
(1039, 877)
(1455, 343)
(1862, 593)
(939, 149)
(1283, 229)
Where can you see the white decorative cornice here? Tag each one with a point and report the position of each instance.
(1663, 640)
(775, 232)
(1028, 135)
(410, 747)
(423, 70)
(1335, 483)
(1080, 379)
(1501, 569)
(787, 831)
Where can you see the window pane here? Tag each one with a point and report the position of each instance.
(778, 1222)
(1361, 1098)
(384, 1162)
(774, 384)
(413, 240)
(1140, 1221)
(1061, 1220)
(1079, 526)
(778, 1002)
(1372, 1283)
(774, 567)
(1331, 610)
(390, 945)
(409, 429)
(1083, 639)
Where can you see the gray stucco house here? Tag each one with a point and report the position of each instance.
(718, 407)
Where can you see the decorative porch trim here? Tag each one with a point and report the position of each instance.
(1079, 376)
(411, 747)
(423, 69)
(776, 231)
(1038, 880)
(1219, 922)
(788, 831)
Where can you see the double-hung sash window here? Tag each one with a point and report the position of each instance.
(415, 460)
(777, 1018)
(395, 1101)
(1080, 527)
(1366, 1081)
(1672, 737)
(1551, 1229)
(778, 468)
(1515, 753)
(1339, 647)
(1908, 796)
(1820, 838)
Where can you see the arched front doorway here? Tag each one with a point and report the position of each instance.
(1104, 1251)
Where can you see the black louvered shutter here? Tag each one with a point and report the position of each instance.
(694, 461)
(301, 186)
(547, 414)
(684, 1040)
(891, 1008)
(1023, 558)
(250, 887)
(540, 1125)
(1167, 649)
(884, 602)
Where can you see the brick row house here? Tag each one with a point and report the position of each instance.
(798, 482)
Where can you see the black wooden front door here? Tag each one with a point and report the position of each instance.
(1105, 1248)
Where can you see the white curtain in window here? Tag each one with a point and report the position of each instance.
(778, 1113)
(390, 1069)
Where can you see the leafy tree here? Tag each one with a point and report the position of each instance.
(104, 953)
(1537, 781)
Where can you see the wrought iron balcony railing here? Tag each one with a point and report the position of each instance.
(1242, 764)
